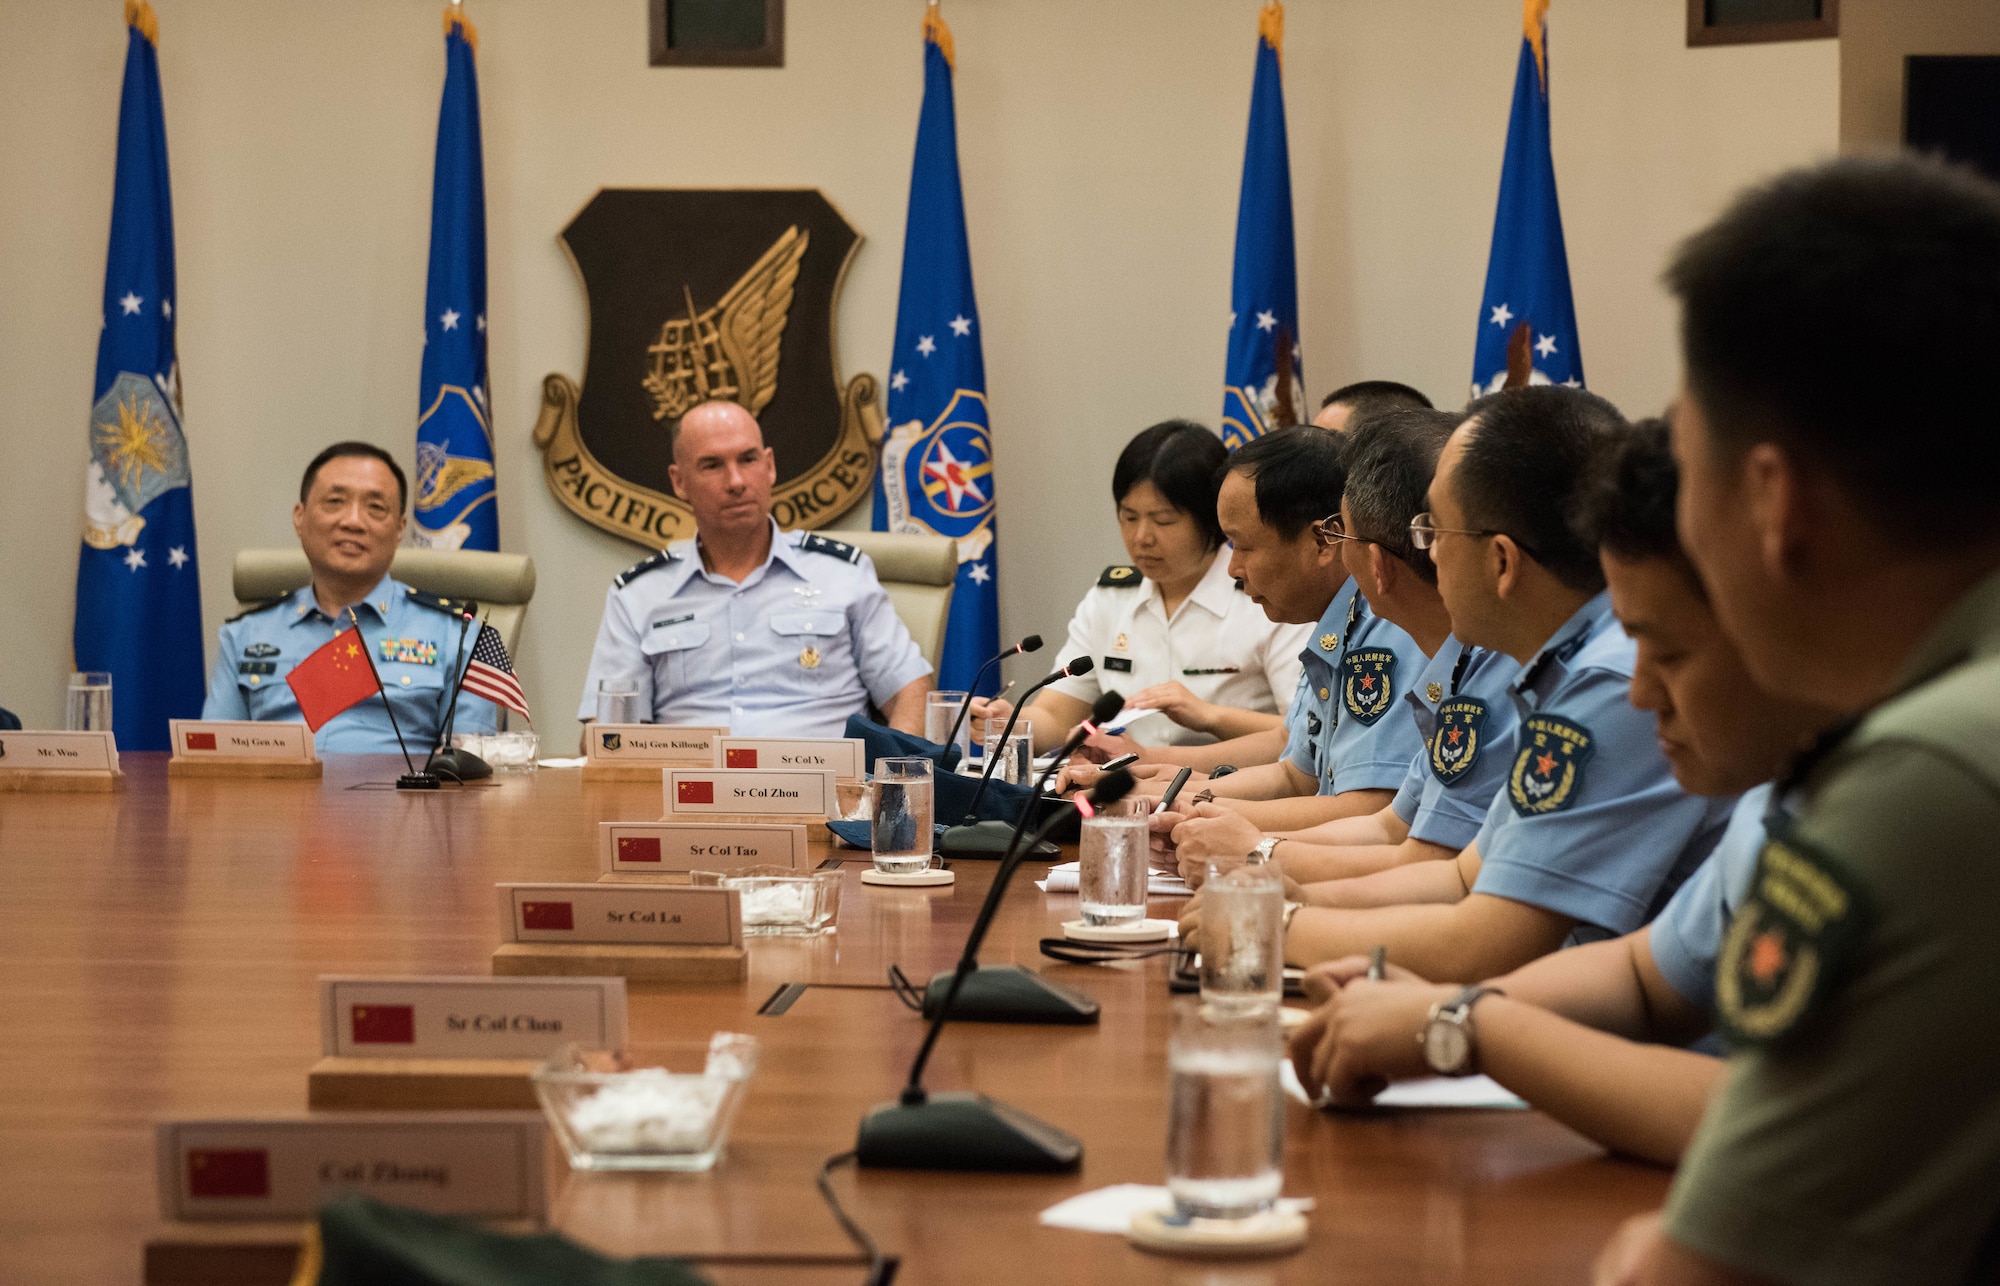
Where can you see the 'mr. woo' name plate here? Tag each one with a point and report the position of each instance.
(694, 792)
(845, 757)
(229, 739)
(486, 1165)
(650, 848)
(652, 744)
(468, 1017)
(59, 751)
(671, 915)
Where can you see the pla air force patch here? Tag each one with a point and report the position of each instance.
(1797, 925)
(1548, 768)
(1461, 723)
(1368, 682)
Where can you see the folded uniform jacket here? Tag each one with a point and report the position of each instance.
(954, 793)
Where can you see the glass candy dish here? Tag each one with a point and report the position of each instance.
(646, 1107)
(779, 902)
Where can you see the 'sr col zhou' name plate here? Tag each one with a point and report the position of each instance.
(468, 1017)
(233, 739)
(845, 757)
(674, 915)
(59, 751)
(654, 847)
(692, 792)
(486, 1165)
(652, 743)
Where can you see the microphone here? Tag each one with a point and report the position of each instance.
(978, 839)
(1033, 643)
(966, 1131)
(446, 759)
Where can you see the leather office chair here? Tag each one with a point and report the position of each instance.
(501, 584)
(918, 572)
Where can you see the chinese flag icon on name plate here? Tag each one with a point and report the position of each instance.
(547, 915)
(333, 678)
(228, 1172)
(385, 1024)
(694, 792)
(638, 848)
(201, 741)
(740, 757)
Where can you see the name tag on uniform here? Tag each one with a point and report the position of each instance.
(468, 1017)
(486, 1165)
(693, 792)
(654, 847)
(240, 739)
(676, 915)
(846, 757)
(59, 751)
(652, 744)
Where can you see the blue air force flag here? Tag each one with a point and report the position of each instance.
(1527, 322)
(937, 458)
(138, 591)
(1261, 383)
(455, 483)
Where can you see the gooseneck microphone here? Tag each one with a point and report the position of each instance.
(977, 839)
(1078, 665)
(1033, 643)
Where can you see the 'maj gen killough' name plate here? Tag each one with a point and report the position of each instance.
(240, 739)
(652, 745)
(431, 1017)
(483, 1164)
(748, 792)
(652, 848)
(670, 915)
(845, 757)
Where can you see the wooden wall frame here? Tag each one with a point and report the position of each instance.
(770, 54)
(1700, 32)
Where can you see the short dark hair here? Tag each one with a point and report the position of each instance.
(1628, 508)
(1851, 313)
(1377, 395)
(1527, 460)
(1391, 458)
(369, 449)
(1184, 462)
(1298, 474)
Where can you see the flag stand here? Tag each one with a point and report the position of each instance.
(448, 760)
(411, 780)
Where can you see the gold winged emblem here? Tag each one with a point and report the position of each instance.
(730, 351)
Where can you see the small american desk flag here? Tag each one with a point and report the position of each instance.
(490, 673)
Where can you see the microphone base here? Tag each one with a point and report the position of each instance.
(418, 781)
(988, 841)
(454, 764)
(965, 1132)
(1009, 994)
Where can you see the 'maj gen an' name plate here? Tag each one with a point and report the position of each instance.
(845, 757)
(671, 915)
(655, 847)
(652, 744)
(233, 739)
(468, 1017)
(487, 1165)
(692, 792)
(59, 751)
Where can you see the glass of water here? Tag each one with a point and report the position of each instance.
(940, 712)
(900, 832)
(1017, 760)
(1113, 870)
(618, 702)
(1225, 1113)
(89, 706)
(1242, 937)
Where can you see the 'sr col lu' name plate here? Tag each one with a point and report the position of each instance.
(475, 1017)
(675, 915)
(656, 847)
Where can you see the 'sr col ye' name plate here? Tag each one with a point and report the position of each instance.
(693, 792)
(234, 739)
(59, 751)
(845, 757)
(655, 847)
(652, 744)
(671, 915)
(468, 1017)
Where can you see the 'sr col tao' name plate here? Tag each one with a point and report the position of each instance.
(845, 757)
(655, 847)
(468, 1017)
(486, 1165)
(59, 751)
(671, 915)
(652, 744)
(694, 792)
(234, 739)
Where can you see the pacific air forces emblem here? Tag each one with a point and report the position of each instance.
(1368, 682)
(611, 740)
(1548, 767)
(1461, 723)
(1795, 929)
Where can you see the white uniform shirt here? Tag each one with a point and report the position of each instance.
(1218, 644)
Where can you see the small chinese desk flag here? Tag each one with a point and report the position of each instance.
(335, 677)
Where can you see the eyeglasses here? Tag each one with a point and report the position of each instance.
(1330, 530)
(1424, 534)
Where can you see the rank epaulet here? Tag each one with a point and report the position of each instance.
(264, 606)
(1119, 577)
(818, 544)
(449, 606)
(640, 568)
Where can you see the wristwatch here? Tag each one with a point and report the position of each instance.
(1262, 853)
(1450, 1044)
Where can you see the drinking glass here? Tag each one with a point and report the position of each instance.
(1225, 1112)
(900, 832)
(618, 702)
(1113, 870)
(1017, 761)
(940, 711)
(1243, 937)
(89, 706)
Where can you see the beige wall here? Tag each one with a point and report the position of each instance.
(1875, 37)
(1101, 142)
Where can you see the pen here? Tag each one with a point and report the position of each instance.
(1378, 964)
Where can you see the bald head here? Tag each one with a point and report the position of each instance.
(710, 423)
(723, 470)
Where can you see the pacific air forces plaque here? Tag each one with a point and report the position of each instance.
(696, 295)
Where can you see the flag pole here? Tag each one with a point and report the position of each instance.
(449, 760)
(414, 780)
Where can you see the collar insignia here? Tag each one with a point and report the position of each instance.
(1328, 642)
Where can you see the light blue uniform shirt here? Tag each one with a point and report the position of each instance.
(806, 640)
(411, 638)
(1464, 710)
(1687, 937)
(1345, 731)
(1590, 823)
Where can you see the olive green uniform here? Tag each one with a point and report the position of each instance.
(1857, 1138)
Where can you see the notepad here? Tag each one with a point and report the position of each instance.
(1066, 877)
(1429, 1092)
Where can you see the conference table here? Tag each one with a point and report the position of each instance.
(159, 955)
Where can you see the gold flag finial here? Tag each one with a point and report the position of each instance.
(454, 17)
(139, 14)
(1535, 27)
(938, 34)
(1271, 27)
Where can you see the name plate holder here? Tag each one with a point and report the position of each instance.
(650, 932)
(754, 797)
(242, 748)
(60, 763)
(640, 751)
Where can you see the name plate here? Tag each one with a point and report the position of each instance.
(652, 743)
(693, 792)
(240, 739)
(468, 1017)
(668, 915)
(845, 757)
(653, 847)
(487, 1165)
(59, 751)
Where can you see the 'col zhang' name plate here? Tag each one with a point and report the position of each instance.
(653, 743)
(240, 739)
(845, 757)
(693, 792)
(59, 751)
(655, 847)
(666, 915)
(468, 1017)
(487, 1165)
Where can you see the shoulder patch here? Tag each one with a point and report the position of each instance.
(450, 606)
(1368, 682)
(1548, 767)
(644, 565)
(264, 606)
(1789, 943)
(1461, 724)
(1119, 576)
(818, 544)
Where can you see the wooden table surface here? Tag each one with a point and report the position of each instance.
(159, 956)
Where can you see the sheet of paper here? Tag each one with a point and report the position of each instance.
(1111, 1209)
(1432, 1091)
(1065, 877)
(577, 762)
(1125, 719)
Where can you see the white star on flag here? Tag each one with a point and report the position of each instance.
(1267, 321)
(950, 470)
(482, 321)
(450, 319)
(130, 303)
(1546, 346)
(1501, 316)
(981, 573)
(177, 556)
(961, 325)
(166, 308)
(136, 559)
(1572, 382)
(926, 346)
(899, 381)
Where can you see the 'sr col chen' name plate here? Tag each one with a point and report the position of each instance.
(240, 739)
(694, 792)
(652, 744)
(59, 751)
(671, 915)
(655, 847)
(486, 1165)
(845, 757)
(468, 1017)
